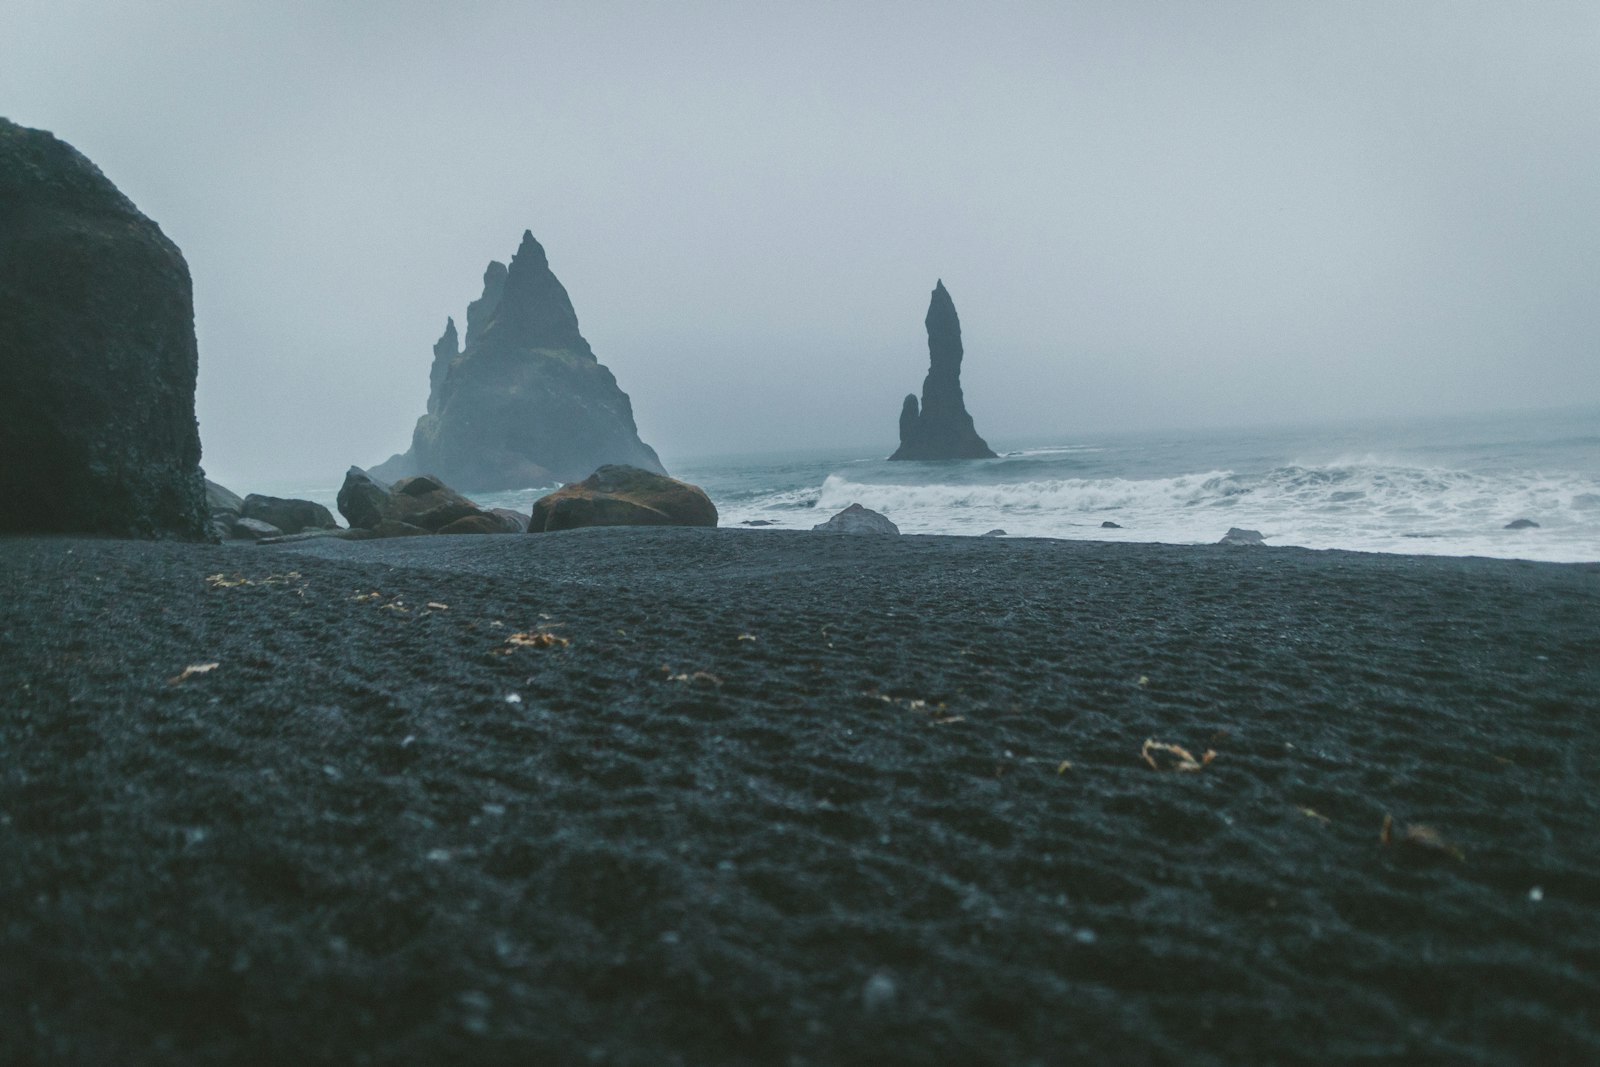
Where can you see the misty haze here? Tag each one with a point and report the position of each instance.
(635, 533)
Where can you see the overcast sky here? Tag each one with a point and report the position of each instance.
(1149, 215)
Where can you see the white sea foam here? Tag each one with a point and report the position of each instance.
(1368, 504)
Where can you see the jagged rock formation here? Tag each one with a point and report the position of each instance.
(618, 495)
(445, 351)
(524, 401)
(941, 429)
(97, 426)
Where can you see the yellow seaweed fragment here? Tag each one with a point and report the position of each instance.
(192, 670)
(1173, 757)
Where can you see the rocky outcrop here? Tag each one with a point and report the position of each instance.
(417, 505)
(1236, 536)
(97, 426)
(856, 519)
(524, 402)
(618, 495)
(445, 351)
(289, 515)
(256, 517)
(940, 428)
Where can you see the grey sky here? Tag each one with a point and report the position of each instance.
(1149, 215)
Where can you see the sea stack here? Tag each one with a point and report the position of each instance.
(523, 402)
(97, 426)
(941, 428)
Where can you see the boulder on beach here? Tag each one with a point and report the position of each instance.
(386, 528)
(1236, 536)
(941, 427)
(512, 521)
(362, 499)
(224, 506)
(1521, 524)
(287, 514)
(420, 504)
(254, 530)
(97, 424)
(618, 495)
(856, 519)
(522, 401)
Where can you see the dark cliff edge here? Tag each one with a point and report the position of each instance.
(97, 424)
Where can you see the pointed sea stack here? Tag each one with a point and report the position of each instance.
(524, 402)
(942, 429)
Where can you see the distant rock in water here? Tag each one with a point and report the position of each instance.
(618, 495)
(856, 519)
(941, 427)
(1522, 524)
(97, 426)
(1109, 525)
(524, 401)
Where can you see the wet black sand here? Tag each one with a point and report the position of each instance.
(852, 838)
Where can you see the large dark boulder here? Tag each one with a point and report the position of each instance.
(289, 515)
(421, 504)
(224, 506)
(362, 499)
(941, 428)
(97, 426)
(524, 402)
(623, 496)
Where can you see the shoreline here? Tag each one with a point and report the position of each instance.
(795, 798)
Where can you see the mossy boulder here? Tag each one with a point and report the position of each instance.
(617, 495)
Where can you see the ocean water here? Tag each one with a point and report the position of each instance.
(1444, 486)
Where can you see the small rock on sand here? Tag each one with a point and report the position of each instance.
(856, 519)
(1236, 536)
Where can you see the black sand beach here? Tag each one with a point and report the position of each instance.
(787, 798)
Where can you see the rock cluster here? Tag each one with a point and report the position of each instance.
(257, 517)
(941, 427)
(617, 495)
(523, 401)
(97, 426)
(414, 506)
